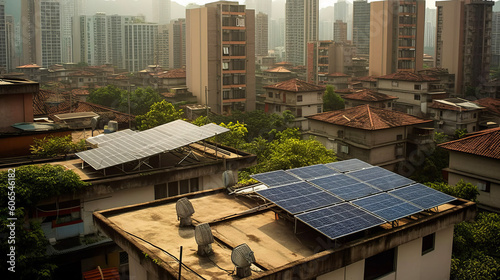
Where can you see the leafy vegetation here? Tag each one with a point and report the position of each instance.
(160, 113)
(32, 184)
(141, 99)
(331, 100)
(53, 146)
(461, 189)
(109, 96)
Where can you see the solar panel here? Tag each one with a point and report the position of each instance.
(340, 220)
(313, 171)
(299, 197)
(275, 178)
(344, 186)
(348, 165)
(386, 206)
(102, 138)
(381, 178)
(422, 196)
(146, 143)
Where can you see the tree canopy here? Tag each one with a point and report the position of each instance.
(141, 100)
(160, 113)
(55, 146)
(109, 96)
(331, 100)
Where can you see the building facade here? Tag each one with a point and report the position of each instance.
(220, 56)
(452, 114)
(361, 27)
(397, 36)
(463, 42)
(340, 31)
(161, 11)
(302, 21)
(261, 34)
(3, 39)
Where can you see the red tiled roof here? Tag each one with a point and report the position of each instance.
(79, 92)
(167, 94)
(366, 79)
(119, 77)
(368, 118)
(82, 73)
(296, 85)
(81, 106)
(283, 63)
(491, 104)
(368, 95)
(337, 75)
(486, 144)
(408, 76)
(453, 104)
(279, 69)
(345, 90)
(173, 74)
(28, 66)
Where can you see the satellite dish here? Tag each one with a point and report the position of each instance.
(242, 257)
(204, 238)
(184, 211)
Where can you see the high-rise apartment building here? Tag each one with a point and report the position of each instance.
(220, 62)
(261, 34)
(139, 48)
(171, 46)
(302, 21)
(495, 40)
(340, 31)
(94, 43)
(342, 10)
(463, 41)
(161, 11)
(41, 31)
(430, 28)
(361, 27)
(10, 42)
(397, 36)
(3, 38)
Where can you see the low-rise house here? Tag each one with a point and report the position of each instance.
(79, 79)
(368, 97)
(455, 113)
(490, 116)
(369, 82)
(378, 136)
(476, 160)
(446, 80)
(301, 98)
(338, 80)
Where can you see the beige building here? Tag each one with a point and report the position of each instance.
(328, 57)
(378, 136)
(451, 114)
(476, 160)
(463, 41)
(340, 31)
(369, 97)
(220, 56)
(301, 98)
(396, 36)
(261, 34)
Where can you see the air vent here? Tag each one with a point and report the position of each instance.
(184, 212)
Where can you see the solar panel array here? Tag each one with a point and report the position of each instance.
(147, 143)
(360, 197)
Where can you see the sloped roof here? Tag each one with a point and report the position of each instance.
(454, 104)
(491, 104)
(279, 69)
(81, 106)
(408, 76)
(368, 95)
(28, 66)
(345, 91)
(82, 73)
(337, 74)
(173, 74)
(366, 79)
(295, 85)
(368, 118)
(486, 144)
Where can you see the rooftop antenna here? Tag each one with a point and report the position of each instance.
(242, 257)
(204, 238)
(184, 212)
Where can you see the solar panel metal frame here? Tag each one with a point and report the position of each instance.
(353, 215)
(312, 171)
(348, 165)
(407, 193)
(344, 186)
(299, 197)
(286, 178)
(389, 203)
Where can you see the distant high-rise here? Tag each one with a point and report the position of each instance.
(161, 11)
(342, 10)
(302, 17)
(3, 41)
(220, 61)
(171, 46)
(261, 34)
(94, 40)
(361, 27)
(260, 6)
(139, 48)
(11, 42)
(397, 36)
(463, 41)
(495, 40)
(277, 33)
(67, 13)
(340, 31)
(430, 28)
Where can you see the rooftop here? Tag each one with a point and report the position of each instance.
(366, 79)
(296, 85)
(172, 74)
(279, 69)
(368, 95)
(337, 75)
(455, 104)
(483, 143)
(408, 76)
(82, 73)
(81, 106)
(29, 66)
(491, 104)
(368, 118)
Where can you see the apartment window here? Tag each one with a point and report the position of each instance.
(440, 113)
(299, 98)
(225, 50)
(320, 96)
(176, 188)
(319, 109)
(225, 65)
(225, 94)
(475, 115)
(270, 94)
(483, 186)
(399, 137)
(416, 96)
(380, 264)
(278, 108)
(428, 243)
(417, 87)
(299, 112)
(389, 104)
(395, 83)
(240, 22)
(344, 149)
(277, 95)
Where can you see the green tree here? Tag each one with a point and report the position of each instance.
(460, 133)
(433, 163)
(109, 96)
(461, 189)
(160, 113)
(331, 100)
(32, 184)
(53, 146)
(140, 100)
(236, 135)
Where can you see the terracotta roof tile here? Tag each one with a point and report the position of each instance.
(368, 95)
(366, 79)
(28, 66)
(338, 74)
(408, 76)
(345, 91)
(368, 118)
(80, 92)
(173, 74)
(279, 69)
(296, 85)
(454, 104)
(491, 104)
(82, 73)
(81, 106)
(486, 144)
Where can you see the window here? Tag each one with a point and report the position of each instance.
(428, 243)
(278, 108)
(483, 186)
(395, 83)
(270, 94)
(225, 94)
(299, 112)
(475, 115)
(225, 50)
(440, 113)
(299, 98)
(240, 22)
(344, 149)
(225, 65)
(417, 87)
(319, 109)
(380, 264)
(176, 188)
(160, 191)
(320, 96)
(277, 95)
(389, 104)
(399, 137)
(416, 96)
(173, 188)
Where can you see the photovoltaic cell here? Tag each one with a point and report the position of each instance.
(275, 178)
(422, 196)
(344, 186)
(386, 206)
(340, 220)
(299, 197)
(348, 165)
(381, 178)
(313, 171)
